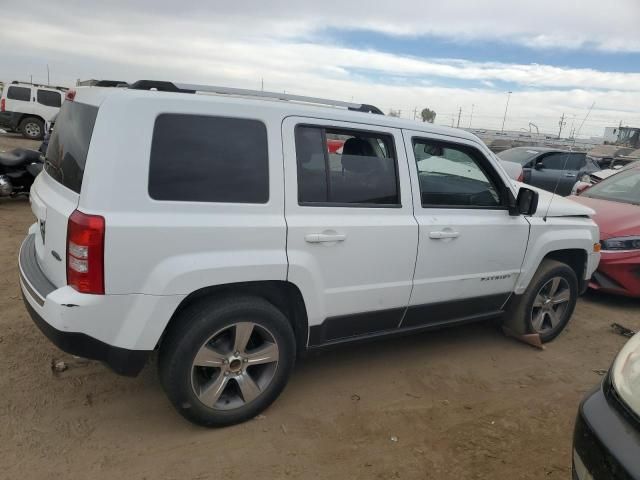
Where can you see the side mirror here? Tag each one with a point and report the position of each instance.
(538, 166)
(527, 201)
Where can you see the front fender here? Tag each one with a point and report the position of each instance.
(557, 234)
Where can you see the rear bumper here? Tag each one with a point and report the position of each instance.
(122, 361)
(47, 304)
(606, 442)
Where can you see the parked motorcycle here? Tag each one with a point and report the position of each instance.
(18, 170)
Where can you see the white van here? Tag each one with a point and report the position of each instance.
(219, 229)
(27, 107)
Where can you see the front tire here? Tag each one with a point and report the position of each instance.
(548, 303)
(226, 360)
(32, 128)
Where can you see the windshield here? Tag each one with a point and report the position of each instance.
(623, 187)
(517, 155)
(69, 144)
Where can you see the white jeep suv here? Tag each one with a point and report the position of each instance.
(221, 230)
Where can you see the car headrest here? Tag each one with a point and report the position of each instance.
(358, 146)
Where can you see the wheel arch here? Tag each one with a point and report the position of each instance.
(27, 116)
(285, 296)
(24, 116)
(575, 258)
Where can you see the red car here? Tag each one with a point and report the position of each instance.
(616, 201)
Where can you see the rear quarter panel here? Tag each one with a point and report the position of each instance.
(174, 248)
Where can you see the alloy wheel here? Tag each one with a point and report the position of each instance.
(550, 305)
(234, 366)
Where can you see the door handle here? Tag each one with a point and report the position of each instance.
(325, 237)
(569, 174)
(444, 234)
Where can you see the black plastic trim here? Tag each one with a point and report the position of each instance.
(402, 321)
(122, 361)
(607, 443)
(458, 310)
(32, 276)
(357, 324)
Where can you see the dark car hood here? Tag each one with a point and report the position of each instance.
(615, 219)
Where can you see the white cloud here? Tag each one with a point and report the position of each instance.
(238, 44)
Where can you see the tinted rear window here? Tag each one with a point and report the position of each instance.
(49, 98)
(209, 159)
(69, 144)
(19, 93)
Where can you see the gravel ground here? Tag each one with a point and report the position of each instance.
(463, 403)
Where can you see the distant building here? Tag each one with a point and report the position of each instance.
(610, 135)
(622, 136)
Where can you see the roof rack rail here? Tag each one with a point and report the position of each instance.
(189, 88)
(55, 87)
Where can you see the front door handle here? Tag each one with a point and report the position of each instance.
(569, 174)
(325, 237)
(444, 234)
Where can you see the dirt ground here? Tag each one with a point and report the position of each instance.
(463, 403)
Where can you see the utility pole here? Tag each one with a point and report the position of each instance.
(505, 111)
(471, 117)
(48, 80)
(561, 123)
(459, 114)
(31, 81)
(415, 113)
(262, 84)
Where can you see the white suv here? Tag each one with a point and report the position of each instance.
(229, 233)
(27, 107)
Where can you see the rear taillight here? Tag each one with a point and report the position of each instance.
(521, 177)
(2, 107)
(70, 96)
(85, 253)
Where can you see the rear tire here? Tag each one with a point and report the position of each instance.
(226, 360)
(32, 128)
(548, 303)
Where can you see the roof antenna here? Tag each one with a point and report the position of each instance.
(564, 166)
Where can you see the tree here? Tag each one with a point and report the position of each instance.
(428, 115)
(394, 113)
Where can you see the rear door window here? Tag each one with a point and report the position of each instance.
(345, 167)
(563, 161)
(201, 158)
(22, 94)
(49, 98)
(69, 144)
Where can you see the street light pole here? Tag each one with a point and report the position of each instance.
(505, 110)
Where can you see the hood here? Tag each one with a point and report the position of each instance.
(615, 219)
(560, 206)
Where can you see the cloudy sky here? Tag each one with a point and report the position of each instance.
(556, 56)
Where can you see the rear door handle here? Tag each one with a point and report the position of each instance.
(569, 174)
(325, 237)
(444, 234)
